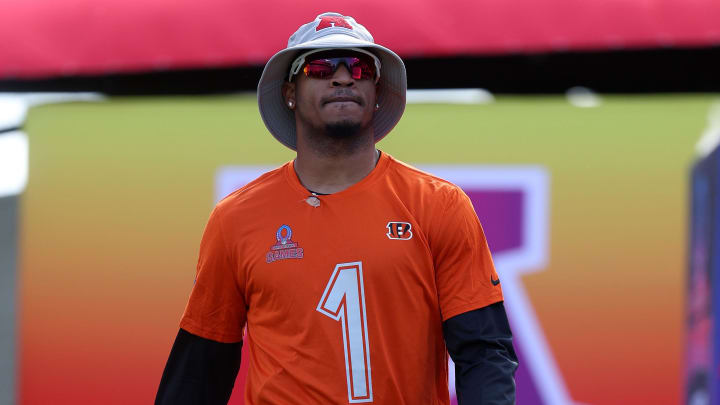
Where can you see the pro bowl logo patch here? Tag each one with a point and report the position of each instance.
(285, 248)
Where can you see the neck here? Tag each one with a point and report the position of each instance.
(329, 173)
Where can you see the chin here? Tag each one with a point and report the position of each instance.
(343, 128)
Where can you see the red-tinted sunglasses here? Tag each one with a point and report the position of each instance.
(323, 68)
(323, 65)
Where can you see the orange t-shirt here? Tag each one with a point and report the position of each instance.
(343, 301)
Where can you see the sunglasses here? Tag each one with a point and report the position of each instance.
(323, 65)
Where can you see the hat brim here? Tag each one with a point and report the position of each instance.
(280, 120)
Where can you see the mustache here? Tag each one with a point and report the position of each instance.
(343, 95)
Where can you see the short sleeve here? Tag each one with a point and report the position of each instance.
(216, 309)
(464, 271)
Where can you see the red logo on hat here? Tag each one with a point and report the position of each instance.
(330, 21)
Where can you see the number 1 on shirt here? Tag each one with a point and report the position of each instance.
(344, 301)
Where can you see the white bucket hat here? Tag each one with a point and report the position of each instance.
(330, 31)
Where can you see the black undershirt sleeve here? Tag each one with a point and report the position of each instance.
(480, 344)
(199, 371)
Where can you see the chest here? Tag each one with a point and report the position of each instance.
(291, 257)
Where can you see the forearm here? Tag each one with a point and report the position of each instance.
(480, 344)
(199, 371)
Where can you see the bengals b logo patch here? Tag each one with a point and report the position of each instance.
(399, 230)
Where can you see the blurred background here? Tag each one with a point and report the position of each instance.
(585, 132)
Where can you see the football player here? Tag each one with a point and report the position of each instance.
(349, 274)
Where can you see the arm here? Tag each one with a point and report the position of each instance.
(199, 371)
(480, 344)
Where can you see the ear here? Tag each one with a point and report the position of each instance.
(377, 93)
(288, 90)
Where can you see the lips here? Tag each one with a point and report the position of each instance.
(341, 99)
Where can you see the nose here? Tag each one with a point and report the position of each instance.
(342, 76)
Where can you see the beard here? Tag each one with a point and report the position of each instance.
(343, 129)
(339, 138)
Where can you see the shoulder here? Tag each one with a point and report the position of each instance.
(252, 194)
(429, 199)
(422, 183)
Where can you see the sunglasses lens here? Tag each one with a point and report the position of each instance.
(319, 69)
(361, 69)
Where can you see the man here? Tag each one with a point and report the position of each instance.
(352, 271)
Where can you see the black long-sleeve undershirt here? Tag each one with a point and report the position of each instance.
(202, 372)
(199, 371)
(480, 344)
